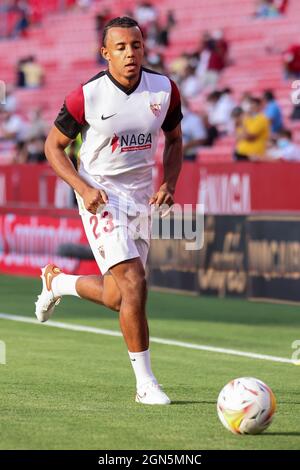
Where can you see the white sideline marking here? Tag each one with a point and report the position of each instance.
(168, 342)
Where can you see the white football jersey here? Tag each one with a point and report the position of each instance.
(120, 129)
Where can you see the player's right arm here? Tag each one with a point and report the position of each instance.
(55, 146)
(68, 124)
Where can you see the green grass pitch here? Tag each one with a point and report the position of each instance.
(63, 389)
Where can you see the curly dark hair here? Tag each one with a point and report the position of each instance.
(120, 22)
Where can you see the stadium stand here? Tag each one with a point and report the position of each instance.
(65, 44)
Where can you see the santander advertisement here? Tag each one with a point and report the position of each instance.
(29, 242)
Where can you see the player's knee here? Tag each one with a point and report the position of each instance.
(135, 283)
(113, 302)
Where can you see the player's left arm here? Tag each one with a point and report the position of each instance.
(172, 158)
(172, 162)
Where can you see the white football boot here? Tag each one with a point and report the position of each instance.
(46, 302)
(152, 394)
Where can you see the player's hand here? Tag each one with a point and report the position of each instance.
(163, 197)
(93, 198)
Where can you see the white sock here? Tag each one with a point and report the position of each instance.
(142, 367)
(64, 284)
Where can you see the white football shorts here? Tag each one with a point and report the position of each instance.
(116, 234)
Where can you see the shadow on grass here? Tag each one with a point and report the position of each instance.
(266, 434)
(192, 402)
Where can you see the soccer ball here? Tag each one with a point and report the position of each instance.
(246, 406)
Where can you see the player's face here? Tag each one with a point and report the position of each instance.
(124, 52)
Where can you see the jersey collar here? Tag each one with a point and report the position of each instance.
(122, 87)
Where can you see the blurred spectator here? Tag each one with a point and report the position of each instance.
(155, 61)
(165, 30)
(266, 9)
(178, 66)
(26, 137)
(285, 148)
(4, 9)
(212, 133)
(221, 45)
(30, 73)
(34, 151)
(35, 137)
(10, 104)
(220, 109)
(193, 132)
(157, 34)
(23, 22)
(295, 98)
(252, 132)
(20, 76)
(246, 101)
(212, 58)
(203, 53)
(212, 101)
(84, 5)
(145, 13)
(100, 20)
(13, 130)
(190, 84)
(273, 111)
(152, 35)
(295, 116)
(20, 11)
(291, 61)
(281, 6)
(238, 115)
(37, 127)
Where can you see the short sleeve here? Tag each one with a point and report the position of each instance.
(71, 118)
(174, 114)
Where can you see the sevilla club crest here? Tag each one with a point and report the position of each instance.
(156, 109)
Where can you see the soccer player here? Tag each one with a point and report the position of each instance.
(119, 114)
